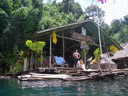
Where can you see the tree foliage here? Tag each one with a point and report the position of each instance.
(69, 6)
(119, 30)
(92, 11)
(20, 19)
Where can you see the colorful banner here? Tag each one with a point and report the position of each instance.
(102, 1)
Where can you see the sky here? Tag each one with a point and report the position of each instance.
(114, 9)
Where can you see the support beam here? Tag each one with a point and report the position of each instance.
(63, 46)
(76, 40)
(50, 54)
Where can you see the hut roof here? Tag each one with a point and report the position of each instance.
(105, 59)
(121, 53)
(91, 29)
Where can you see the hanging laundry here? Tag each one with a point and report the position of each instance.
(54, 37)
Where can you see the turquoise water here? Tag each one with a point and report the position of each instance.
(13, 87)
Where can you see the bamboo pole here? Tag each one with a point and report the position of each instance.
(99, 36)
(41, 58)
(99, 31)
(63, 46)
(50, 53)
(85, 59)
(32, 61)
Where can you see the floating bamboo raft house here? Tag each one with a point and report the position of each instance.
(70, 37)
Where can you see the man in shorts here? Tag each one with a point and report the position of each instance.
(76, 57)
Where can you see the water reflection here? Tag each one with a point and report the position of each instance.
(12, 87)
(93, 88)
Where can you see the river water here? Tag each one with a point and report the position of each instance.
(115, 87)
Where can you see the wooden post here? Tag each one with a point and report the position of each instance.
(41, 58)
(85, 59)
(107, 51)
(63, 46)
(31, 61)
(50, 53)
(36, 61)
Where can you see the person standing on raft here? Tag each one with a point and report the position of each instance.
(76, 57)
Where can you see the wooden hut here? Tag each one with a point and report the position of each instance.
(121, 58)
(69, 38)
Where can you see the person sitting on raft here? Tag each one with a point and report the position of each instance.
(81, 64)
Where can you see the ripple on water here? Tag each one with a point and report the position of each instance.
(13, 87)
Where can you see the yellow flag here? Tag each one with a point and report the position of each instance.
(113, 48)
(54, 37)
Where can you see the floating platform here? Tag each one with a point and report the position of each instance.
(73, 74)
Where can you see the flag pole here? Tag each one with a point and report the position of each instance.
(99, 35)
(99, 31)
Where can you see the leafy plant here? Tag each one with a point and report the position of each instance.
(16, 68)
(36, 47)
(97, 53)
(83, 53)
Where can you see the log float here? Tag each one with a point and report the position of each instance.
(87, 75)
(38, 76)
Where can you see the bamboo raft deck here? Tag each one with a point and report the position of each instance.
(73, 74)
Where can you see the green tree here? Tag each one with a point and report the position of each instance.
(119, 30)
(69, 6)
(52, 17)
(91, 11)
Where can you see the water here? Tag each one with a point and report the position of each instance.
(13, 87)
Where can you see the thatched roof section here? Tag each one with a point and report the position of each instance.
(121, 53)
(105, 59)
